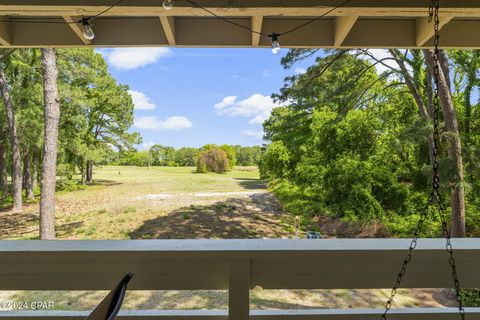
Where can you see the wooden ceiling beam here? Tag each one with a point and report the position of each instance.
(425, 29)
(239, 8)
(76, 28)
(257, 22)
(168, 24)
(5, 34)
(342, 28)
(209, 32)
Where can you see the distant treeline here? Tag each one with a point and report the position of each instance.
(159, 155)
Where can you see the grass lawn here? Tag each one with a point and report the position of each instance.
(176, 203)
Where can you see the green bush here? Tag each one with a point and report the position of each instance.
(213, 160)
(471, 297)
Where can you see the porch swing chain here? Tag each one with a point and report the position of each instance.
(435, 196)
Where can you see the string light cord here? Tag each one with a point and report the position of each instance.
(106, 10)
(86, 20)
(226, 19)
(315, 19)
(265, 34)
(56, 20)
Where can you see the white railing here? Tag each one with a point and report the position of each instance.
(236, 266)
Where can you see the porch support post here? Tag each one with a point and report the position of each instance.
(239, 290)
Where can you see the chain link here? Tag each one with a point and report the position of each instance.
(435, 196)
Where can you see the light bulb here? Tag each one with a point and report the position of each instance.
(275, 44)
(276, 47)
(87, 29)
(167, 4)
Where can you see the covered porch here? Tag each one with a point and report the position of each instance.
(344, 24)
(237, 265)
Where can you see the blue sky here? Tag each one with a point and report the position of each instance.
(191, 97)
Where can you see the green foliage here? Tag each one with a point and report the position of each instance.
(344, 147)
(159, 155)
(248, 156)
(471, 297)
(186, 157)
(275, 161)
(231, 154)
(213, 160)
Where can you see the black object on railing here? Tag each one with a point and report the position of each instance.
(111, 304)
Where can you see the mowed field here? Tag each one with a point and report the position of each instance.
(159, 203)
(176, 203)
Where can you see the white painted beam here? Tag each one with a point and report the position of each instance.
(342, 27)
(274, 264)
(168, 24)
(257, 27)
(239, 289)
(425, 31)
(77, 28)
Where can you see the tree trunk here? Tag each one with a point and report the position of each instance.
(27, 176)
(415, 92)
(49, 168)
(3, 171)
(16, 158)
(454, 147)
(35, 162)
(89, 171)
(82, 172)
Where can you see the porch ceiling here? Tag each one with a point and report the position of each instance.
(358, 24)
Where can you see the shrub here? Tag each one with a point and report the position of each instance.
(471, 297)
(213, 160)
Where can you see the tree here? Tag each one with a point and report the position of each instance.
(213, 160)
(275, 161)
(186, 157)
(99, 113)
(27, 95)
(248, 156)
(14, 142)
(454, 146)
(3, 165)
(52, 116)
(231, 154)
(163, 156)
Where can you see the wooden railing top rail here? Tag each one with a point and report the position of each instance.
(205, 264)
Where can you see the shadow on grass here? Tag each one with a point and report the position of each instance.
(103, 182)
(17, 224)
(251, 184)
(256, 216)
(25, 226)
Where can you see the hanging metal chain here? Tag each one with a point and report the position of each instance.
(435, 196)
(436, 180)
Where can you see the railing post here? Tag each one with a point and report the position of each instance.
(239, 290)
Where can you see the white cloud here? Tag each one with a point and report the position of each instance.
(146, 145)
(300, 70)
(141, 101)
(380, 54)
(170, 123)
(257, 107)
(253, 133)
(133, 58)
(227, 101)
